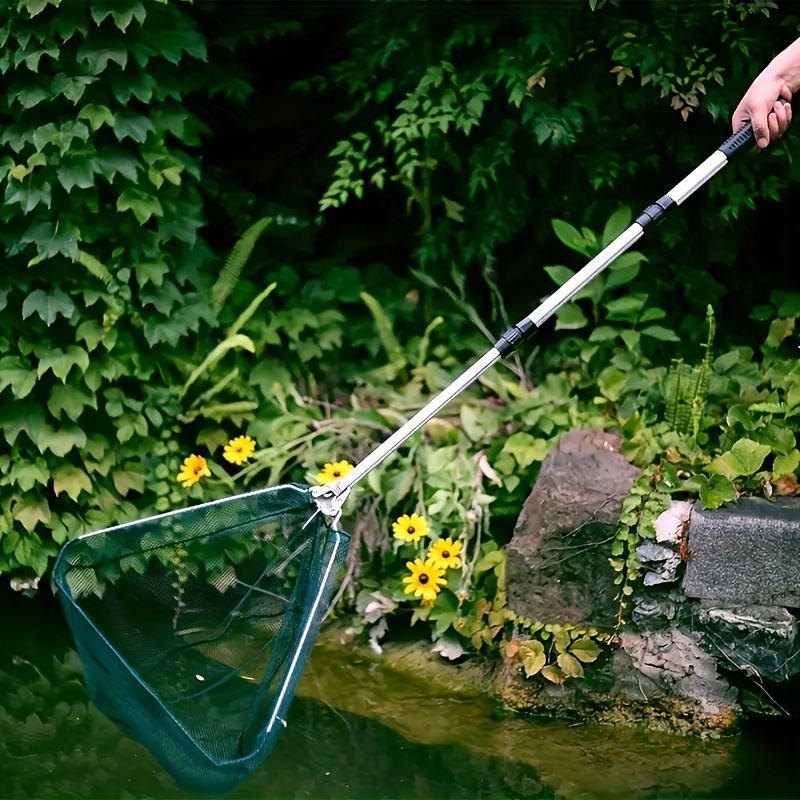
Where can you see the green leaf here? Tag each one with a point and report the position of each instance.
(121, 11)
(243, 318)
(76, 173)
(660, 333)
(112, 161)
(746, 456)
(29, 194)
(71, 480)
(491, 560)
(400, 485)
(134, 126)
(626, 308)
(70, 401)
(16, 417)
(172, 43)
(525, 448)
(533, 657)
(62, 440)
(27, 474)
(650, 314)
(553, 674)
(719, 466)
(559, 274)
(17, 374)
(617, 223)
(143, 205)
(603, 333)
(21, 170)
(152, 272)
(16, 136)
(125, 480)
(97, 58)
(238, 340)
(631, 339)
(475, 107)
(779, 439)
(30, 96)
(570, 665)
(740, 415)
(90, 331)
(239, 409)
(51, 240)
(35, 7)
(452, 209)
(97, 116)
(779, 330)
(571, 237)
(48, 306)
(66, 526)
(611, 382)
(71, 87)
(561, 639)
(394, 352)
(585, 649)
(62, 362)
(570, 317)
(715, 492)
(620, 277)
(30, 512)
(786, 464)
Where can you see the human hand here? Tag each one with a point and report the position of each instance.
(766, 104)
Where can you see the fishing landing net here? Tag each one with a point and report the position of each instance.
(193, 626)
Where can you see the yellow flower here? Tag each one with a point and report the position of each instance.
(238, 450)
(410, 529)
(334, 471)
(424, 580)
(445, 554)
(194, 468)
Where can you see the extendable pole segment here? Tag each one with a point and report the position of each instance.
(528, 326)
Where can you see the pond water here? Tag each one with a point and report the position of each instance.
(357, 731)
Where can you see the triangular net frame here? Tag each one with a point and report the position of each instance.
(193, 626)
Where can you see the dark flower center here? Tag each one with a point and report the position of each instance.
(423, 578)
(336, 473)
(410, 529)
(445, 554)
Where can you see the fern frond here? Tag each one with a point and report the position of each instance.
(686, 387)
(230, 273)
(95, 267)
(700, 396)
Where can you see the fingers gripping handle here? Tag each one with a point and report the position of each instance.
(740, 140)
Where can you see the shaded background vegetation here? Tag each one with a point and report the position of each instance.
(140, 141)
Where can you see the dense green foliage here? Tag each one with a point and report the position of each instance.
(393, 187)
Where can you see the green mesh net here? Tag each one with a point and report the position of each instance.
(193, 626)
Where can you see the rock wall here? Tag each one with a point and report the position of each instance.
(714, 628)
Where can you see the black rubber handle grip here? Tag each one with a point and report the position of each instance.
(739, 141)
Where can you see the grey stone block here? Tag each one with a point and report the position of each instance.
(746, 553)
(760, 641)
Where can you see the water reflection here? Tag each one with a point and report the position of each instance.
(359, 733)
